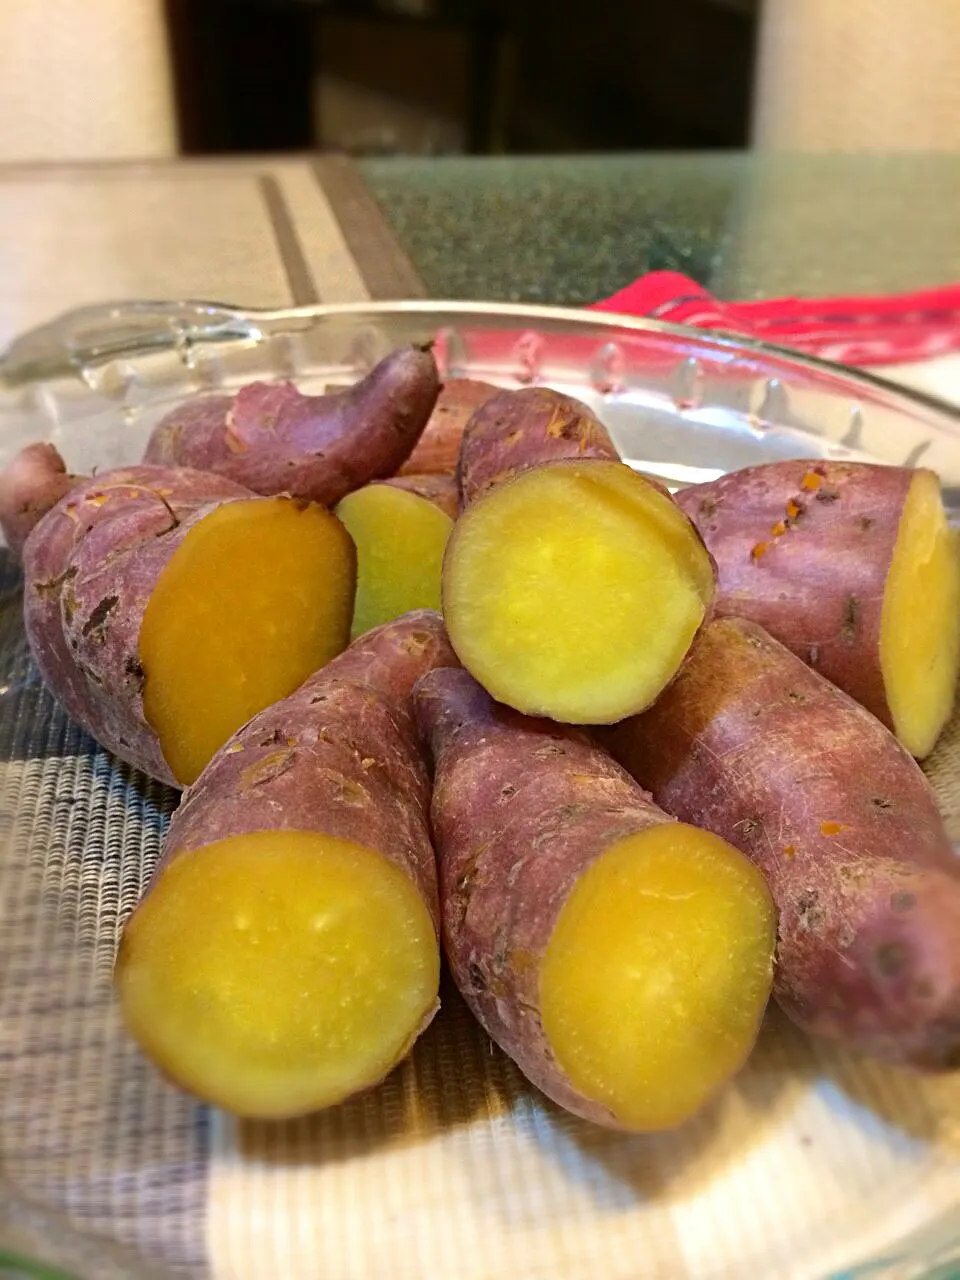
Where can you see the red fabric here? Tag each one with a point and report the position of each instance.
(858, 331)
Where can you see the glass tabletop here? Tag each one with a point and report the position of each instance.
(571, 230)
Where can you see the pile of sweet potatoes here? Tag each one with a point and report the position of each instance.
(628, 762)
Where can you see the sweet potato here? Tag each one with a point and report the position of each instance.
(754, 745)
(30, 484)
(855, 569)
(438, 448)
(517, 429)
(440, 488)
(623, 960)
(400, 536)
(571, 589)
(272, 439)
(166, 606)
(285, 954)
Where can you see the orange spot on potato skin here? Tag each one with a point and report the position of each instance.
(831, 828)
(811, 481)
(793, 509)
(779, 529)
(759, 550)
(789, 851)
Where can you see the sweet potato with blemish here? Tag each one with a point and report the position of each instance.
(400, 534)
(572, 587)
(165, 606)
(272, 439)
(622, 959)
(438, 448)
(30, 484)
(285, 954)
(853, 567)
(751, 743)
(518, 429)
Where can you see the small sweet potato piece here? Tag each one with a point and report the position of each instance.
(400, 538)
(574, 590)
(440, 488)
(517, 429)
(30, 484)
(165, 606)
(438, 448)
(285, 954)
(272, 439)
(853, 567)
(623, 960)
(754, 745)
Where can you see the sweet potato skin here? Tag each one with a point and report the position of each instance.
(438, 448)
(492, 763)
(439, 488)
(752, 744)
(90, 566)
(272, 439)
(339, 756)
(31, 484)
(518, 429)
(803, 549)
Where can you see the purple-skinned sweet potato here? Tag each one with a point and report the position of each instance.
(30, 484)
(438, 448)
(165, 606)
(438, 487)
(285, 954)
(853, 567)
(622, 959)
(572, 586)
(751, 743)
(517, 429)
(272, 439)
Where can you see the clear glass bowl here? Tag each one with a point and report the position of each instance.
(814, 1164)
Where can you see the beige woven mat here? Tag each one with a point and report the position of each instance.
(454, 1167)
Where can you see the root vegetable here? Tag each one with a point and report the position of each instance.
(574, 590)
(751, 743)
(517, 429)
(438, 448)
(623, 960)
(400, 536)
(165, 606)
(272, 439)
(285, 954)
(855, 569)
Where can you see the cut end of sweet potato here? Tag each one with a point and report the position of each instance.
(400, 539)
(257, 597)
(574, 591)
(657, 973)
(920, 622)
(277, 973)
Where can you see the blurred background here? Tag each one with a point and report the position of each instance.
(150, 78)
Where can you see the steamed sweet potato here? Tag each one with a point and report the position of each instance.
(440, 488)
(754, 745)
(854, 568)
(165, 606)
(623, 960)
(400, 535)
(571, 589)
(285, 954)
(30, 484)
(272, 439)
(438, 448)
(517, 429)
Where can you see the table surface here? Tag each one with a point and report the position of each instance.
(276, 230)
